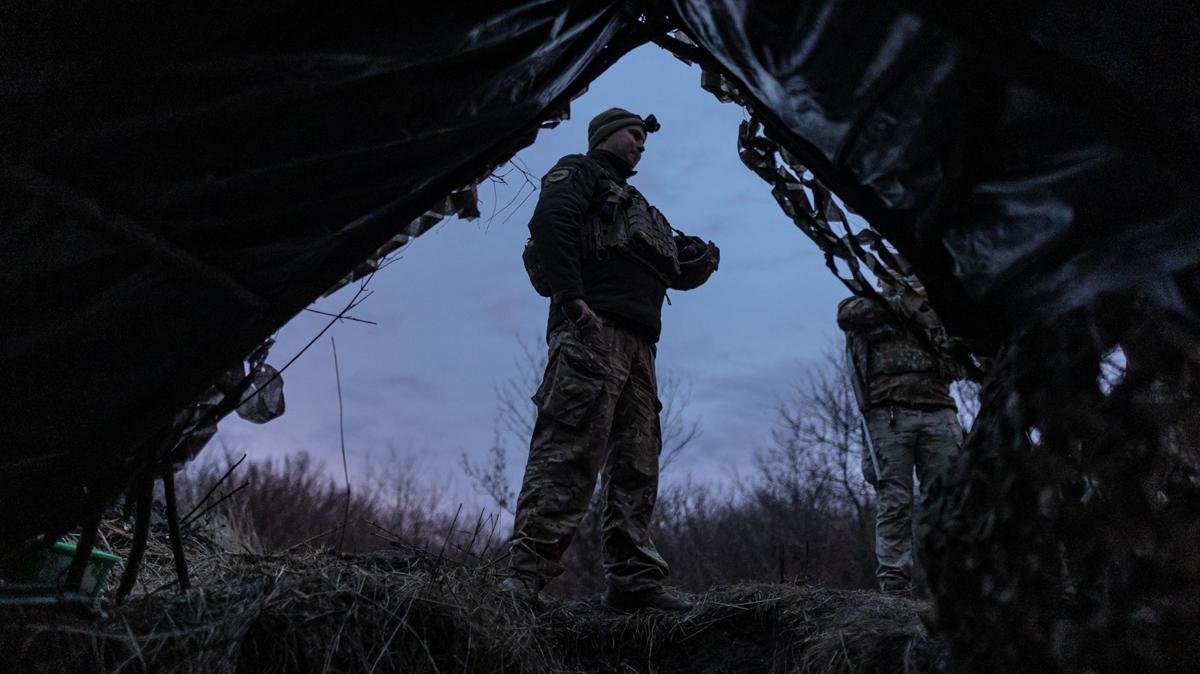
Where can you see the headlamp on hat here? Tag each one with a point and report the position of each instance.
(612, 120)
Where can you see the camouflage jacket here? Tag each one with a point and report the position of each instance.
(895, 368)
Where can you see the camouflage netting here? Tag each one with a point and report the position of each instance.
(1067, 537)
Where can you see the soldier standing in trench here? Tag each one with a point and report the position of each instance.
(911, 419)
(605, 257)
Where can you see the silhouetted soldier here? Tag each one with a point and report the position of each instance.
(605, 257)
(911, 419)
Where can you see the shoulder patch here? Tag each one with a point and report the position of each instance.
(557, 175)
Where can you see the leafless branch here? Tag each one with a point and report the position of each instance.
(347, 318)
(337, 373)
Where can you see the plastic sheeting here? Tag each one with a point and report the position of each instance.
(178, 181)
(1020, 154)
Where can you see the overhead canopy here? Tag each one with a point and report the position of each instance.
(1026, 156)
(177, 182)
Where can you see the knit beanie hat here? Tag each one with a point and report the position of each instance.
(612, 120)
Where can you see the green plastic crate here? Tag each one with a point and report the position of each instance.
(58, 561)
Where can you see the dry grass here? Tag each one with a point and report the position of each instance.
(414, 611)
(429, 604)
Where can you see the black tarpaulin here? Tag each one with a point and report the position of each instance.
(178, 181)
(1028, 157)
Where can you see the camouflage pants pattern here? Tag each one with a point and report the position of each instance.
(905, 438)
(597, 409)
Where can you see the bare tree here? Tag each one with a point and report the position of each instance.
(516, 413)
(809, 479)
(818, 442)
(491, 477)
(678, 430)
(804, 512)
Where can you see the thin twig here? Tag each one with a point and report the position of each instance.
(233, 399)
(310, 539)
(450, 532)
(218, 502)
(350, 306)
(532, 192)
(170, 583)
(137, 648)
(385, 530)
(337, 373)
(212, 489)
(348, 318)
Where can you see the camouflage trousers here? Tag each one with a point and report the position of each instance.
(597, 409)
(905, 438)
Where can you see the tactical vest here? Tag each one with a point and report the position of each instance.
(618, 220)
(621, 220)
(892, 350)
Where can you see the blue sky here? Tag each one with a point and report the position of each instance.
(452, 311)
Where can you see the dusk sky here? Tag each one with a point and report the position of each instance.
(452, 312)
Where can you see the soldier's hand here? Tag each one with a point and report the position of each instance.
(579, 311)
(714, 256)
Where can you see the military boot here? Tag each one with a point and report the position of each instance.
(650, 598)
(521, 590)
(897, 589)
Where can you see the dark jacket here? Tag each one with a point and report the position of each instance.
(617, 287)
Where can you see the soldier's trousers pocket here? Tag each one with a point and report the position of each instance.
(572, 384)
